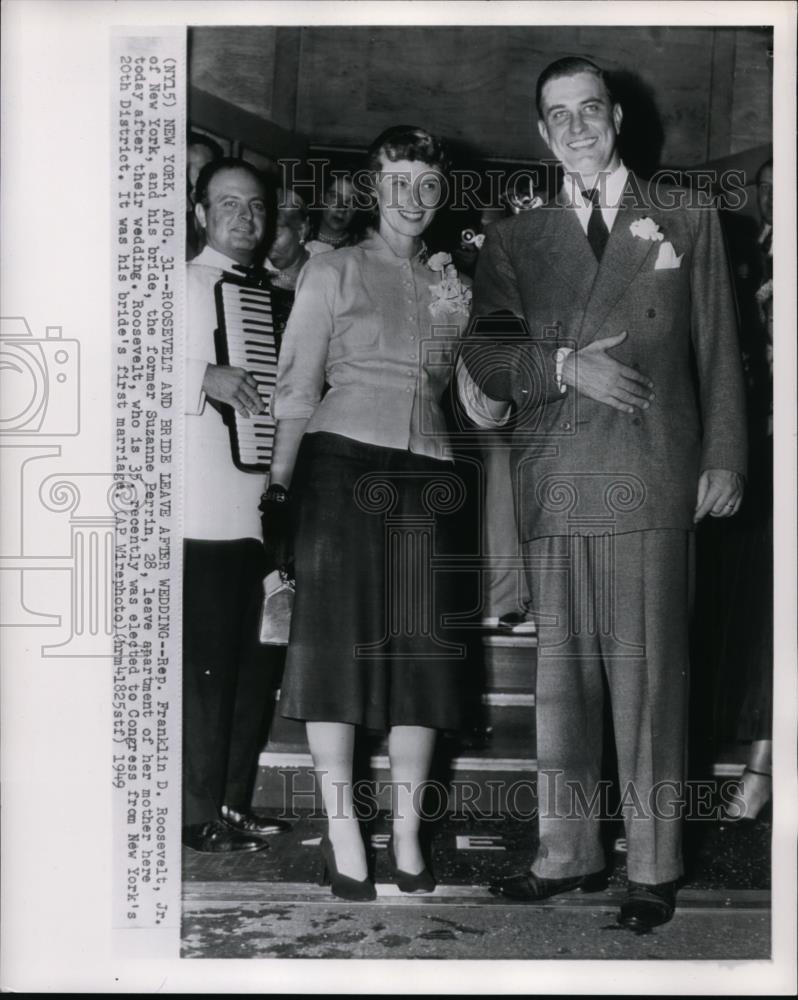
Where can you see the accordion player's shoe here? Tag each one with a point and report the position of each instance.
(253, 826)
(217, 838)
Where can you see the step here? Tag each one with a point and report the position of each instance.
(510, 662)
(487, 782)
(511, 712)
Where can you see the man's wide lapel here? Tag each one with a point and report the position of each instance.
(623, 257)
(565, 252)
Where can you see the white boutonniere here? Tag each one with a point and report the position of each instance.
(646, 229)
(449, 295)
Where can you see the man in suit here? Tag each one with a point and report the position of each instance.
(609, 326)
(227, 673)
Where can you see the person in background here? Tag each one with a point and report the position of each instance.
(746, 647)
(333, 225)
(288, 254)
(359, 654)
(200, 149)
(227, 673)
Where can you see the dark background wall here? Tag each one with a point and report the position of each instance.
(284, 88)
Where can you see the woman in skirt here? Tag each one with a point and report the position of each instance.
(372, 487)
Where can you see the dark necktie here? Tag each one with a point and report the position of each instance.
(597, 232)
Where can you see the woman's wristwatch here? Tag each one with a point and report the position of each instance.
(276, 493)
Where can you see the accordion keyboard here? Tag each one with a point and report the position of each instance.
(246, 339)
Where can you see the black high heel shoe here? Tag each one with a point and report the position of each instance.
(423, 882)
(355, 890)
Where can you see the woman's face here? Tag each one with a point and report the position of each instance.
(408, 196)
(339, 210)
(289, 236)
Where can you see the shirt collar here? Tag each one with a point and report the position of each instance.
(214, 258)
(611, 186)
(379, 245)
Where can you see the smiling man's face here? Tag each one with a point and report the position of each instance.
(580, 124)
(234, 216)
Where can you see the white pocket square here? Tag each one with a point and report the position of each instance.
(667, 258)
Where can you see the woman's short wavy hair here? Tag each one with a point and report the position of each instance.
(408, 142)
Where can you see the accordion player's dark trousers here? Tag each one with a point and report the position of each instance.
(228, 676)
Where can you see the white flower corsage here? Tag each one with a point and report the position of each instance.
(646, 229)
(438, 261)
(449, 295)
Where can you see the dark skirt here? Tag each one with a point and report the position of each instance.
(369, 641)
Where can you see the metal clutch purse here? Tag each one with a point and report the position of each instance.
(278, 602)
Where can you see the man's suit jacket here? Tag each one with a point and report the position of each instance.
(579, 461)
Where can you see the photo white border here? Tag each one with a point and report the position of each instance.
(56, 929)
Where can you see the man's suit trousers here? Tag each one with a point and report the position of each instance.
(227, 675)
(617, 606)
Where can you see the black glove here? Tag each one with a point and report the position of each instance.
(277, 526)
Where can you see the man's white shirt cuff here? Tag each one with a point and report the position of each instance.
(195, 395)
(559, 360)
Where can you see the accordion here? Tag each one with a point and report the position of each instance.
(246, 337)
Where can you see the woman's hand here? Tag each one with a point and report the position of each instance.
(276, 507)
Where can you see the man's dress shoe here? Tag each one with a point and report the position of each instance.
(529, 888)
(647, 906)
(216, 838)
(253, 826)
